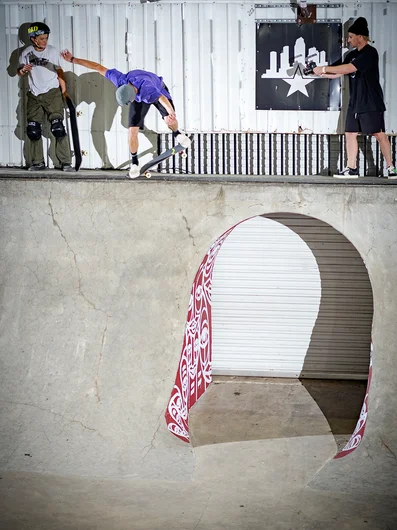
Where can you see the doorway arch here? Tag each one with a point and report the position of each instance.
(195, 367)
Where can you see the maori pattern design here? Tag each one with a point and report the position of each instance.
(194, 371)
(358, 433)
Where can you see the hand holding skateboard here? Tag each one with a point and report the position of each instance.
(309, 68)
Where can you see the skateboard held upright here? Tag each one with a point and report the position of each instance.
(72, 115)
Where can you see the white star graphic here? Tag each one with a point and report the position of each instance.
(298, 83)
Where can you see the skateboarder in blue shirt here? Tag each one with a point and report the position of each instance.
(140, 89)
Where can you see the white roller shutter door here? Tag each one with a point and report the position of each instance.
(291, 297)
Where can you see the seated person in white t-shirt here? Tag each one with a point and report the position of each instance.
(40, 62)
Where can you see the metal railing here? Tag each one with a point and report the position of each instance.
(271, 154)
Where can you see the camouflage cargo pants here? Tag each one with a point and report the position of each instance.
(50, 106)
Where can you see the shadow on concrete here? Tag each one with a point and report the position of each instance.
(241, 409)
(340, 402)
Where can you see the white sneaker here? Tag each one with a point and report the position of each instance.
(184, 140)
(134, 172)
(391, 172)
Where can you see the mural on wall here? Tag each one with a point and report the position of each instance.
(282, 50)
(194, 373)
(194, 370)
(357, 436)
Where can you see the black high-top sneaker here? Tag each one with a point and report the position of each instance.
(347, 173)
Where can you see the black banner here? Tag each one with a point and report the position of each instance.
(282, 50)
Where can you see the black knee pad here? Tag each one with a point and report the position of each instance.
(33, 130)
(57, 128)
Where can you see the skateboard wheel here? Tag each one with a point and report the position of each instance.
(148, 174)
(184, 155)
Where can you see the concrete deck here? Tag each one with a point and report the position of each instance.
(113, 175)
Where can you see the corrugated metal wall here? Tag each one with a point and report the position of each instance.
(291, 297)
(204, 50)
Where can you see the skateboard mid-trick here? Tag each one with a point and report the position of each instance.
(145, 169)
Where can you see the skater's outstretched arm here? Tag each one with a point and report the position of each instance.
(84, 62)
(331, 76)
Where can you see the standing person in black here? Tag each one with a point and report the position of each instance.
(365, 113)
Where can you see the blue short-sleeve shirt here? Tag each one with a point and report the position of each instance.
(150, 86)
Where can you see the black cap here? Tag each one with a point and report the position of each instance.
(360, 27)
(38, 28)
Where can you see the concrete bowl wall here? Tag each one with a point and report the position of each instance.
(95, 284)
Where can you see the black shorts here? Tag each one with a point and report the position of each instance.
(138, 111)
(365, 122)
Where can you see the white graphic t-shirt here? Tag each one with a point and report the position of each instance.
(43, 76)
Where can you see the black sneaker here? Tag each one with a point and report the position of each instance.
(37, 167)
(68, 168)
(347, 173)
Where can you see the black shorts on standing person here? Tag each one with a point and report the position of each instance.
(365, 122)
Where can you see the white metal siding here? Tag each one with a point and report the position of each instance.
(291, 297)
(204, 50)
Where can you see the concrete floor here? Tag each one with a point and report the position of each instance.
(257, 485)
(239, 409)
(257, 445)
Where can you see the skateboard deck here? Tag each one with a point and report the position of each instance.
(75, 132)
(145, 170)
